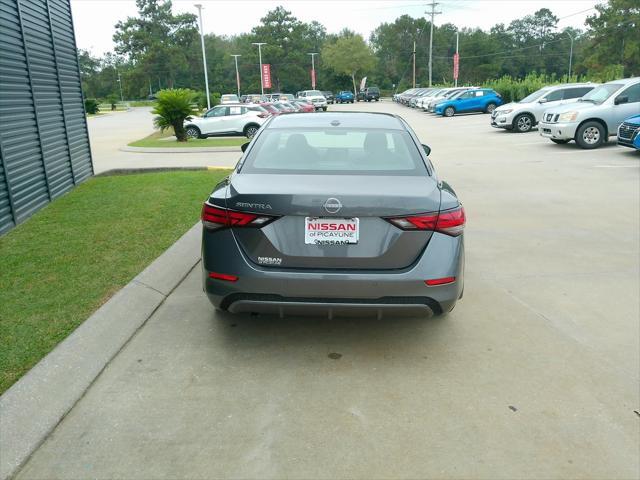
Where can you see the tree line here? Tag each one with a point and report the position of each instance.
(158, 49)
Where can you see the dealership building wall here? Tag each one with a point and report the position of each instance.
(44, 142)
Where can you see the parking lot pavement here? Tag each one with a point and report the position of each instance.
(534, 374)
(109, 133)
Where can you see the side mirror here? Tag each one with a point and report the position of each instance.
(244, 146)
(427, 149)
(543, 100)
(621, 99)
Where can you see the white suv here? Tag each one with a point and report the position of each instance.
(595, 117)
(315, 97)
(522, 116)
(240, 119)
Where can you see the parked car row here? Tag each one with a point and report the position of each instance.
(588, 113)
(448, 102)
(243, 118)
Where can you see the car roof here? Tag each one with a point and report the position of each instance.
(347, 120)
(626, 81)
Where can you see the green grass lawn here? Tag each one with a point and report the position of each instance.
(155, 141)
(69, 258)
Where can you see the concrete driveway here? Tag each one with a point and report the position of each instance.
(533, 375)
(111, 132)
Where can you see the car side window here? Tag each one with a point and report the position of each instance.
(633, 93)
(466, 95)
(576, 92)
(217, 112)
(555, 95)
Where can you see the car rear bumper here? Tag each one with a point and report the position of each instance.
(333, 292)
(559, 131)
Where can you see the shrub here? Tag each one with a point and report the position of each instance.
(112, 100)
(514, 89)
(201, 99)
(91, 106)
(173, 107)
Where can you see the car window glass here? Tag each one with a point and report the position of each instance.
(217, 112)
(576, 92)
(555, 95)
(633, 93)
(319, 151)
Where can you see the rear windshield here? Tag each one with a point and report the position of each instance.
(334, 151)
(374, 90)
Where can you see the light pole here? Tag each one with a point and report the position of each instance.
(570, 57)
(433, 14)
(120, 83)
(204, 56)
(237, 73)
(259, 44)
(457, 54)
(313, 70)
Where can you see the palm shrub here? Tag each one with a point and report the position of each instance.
(91, 106)
(173, 107)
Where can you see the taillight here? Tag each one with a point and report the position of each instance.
(450, 222)
(216, 217)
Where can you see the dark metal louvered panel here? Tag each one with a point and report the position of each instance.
(21, 149)
(44, 142)
(71, 90)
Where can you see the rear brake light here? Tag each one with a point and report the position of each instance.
(216, 217)
(450, 222)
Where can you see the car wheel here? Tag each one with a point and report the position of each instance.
(449, 112)
(351, 101)
(324, 109)
(559, 141)
(590, 135)
(523, 123)
(490, 108)
(192, 132)
(250, 131)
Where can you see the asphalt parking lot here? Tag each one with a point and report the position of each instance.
(534, 374)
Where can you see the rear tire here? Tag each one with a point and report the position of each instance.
(523, 123)
(449, 112)
(324, 109)
(490, 108)
(591, 135)
(193, 132)
(559, 141)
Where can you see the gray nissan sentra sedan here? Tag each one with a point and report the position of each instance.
(334, 214)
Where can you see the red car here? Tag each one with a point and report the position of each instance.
(270, 108)
(305, 106)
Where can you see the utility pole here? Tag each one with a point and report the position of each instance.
(570, 57)
(120, 83)
(237, 74)
(204, 56)
(259, 44)
(313, 70)
(457, 55)
(433, 14)
(150, 90)
(414, 64)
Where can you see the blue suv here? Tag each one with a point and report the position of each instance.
(344, 97)
(629, 132)
(477, 100)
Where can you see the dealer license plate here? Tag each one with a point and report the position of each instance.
(331, 231)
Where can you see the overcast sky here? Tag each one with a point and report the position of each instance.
(94, 20)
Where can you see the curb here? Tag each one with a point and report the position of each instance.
(136, 170)
(32, 408)
(180, 150)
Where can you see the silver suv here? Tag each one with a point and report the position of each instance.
(595, 117)
(522, 116)
(238, 119)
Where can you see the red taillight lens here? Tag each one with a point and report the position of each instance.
(440, 281)
(223, 276)
(216, 217)
(450, 222)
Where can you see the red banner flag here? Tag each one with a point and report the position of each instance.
(313, 79)
(266, 75)
(456, 65)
